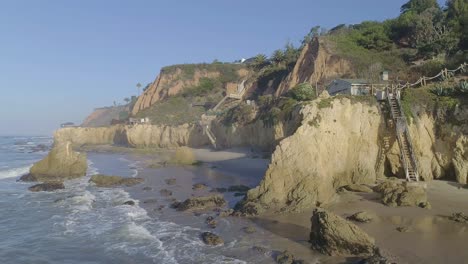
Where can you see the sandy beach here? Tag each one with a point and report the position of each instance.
(432, 237)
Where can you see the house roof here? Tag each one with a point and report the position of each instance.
(355, 81)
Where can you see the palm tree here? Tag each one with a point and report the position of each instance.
(259, 61)
(127, 100)
(278, 57)
(138, 85)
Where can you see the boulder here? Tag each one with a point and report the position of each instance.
(47, 187)
(101, 180)
(211, 239)
(129, 203)
(60, 164)
(459, 217)
(198, 186)
(211, 222)
(285, 258)
(333, 235)
(358, 188)
(395, 193)
(201, 203)
(362, 217)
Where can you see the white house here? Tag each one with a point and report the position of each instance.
(349, 86)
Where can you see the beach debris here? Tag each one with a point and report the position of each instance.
(211, 222)
(201, 203)
(249, 229)
(165, 192)
(330, 234)
(47, 187)
(198, 186)
(171, 181)
(147, 188)
(459, 217)
(395, 193)
(358, 188)
(130, 202)
(211, 239)
(362, 217)
(101, 180)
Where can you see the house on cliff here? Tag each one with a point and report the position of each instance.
(349, 86)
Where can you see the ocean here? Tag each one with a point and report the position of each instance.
(86, 224)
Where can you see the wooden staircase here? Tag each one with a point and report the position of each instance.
(404, 139)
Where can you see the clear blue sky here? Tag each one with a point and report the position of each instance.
(61, 59)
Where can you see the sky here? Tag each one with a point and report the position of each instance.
(61, 59)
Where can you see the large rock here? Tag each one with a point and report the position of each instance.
(396, 193)
(47, 187)
(333, 235)
(201, 203)
(113, 181)
(60, 164)
(328, 151)
(211, 239)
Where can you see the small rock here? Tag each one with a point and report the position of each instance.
(129, 203)
(161, 207)
(150, 201)
(425, 205)
(170, 181)
(362, 217)
(358, 188)
(260, 250)
(165, 192)
(285, 258)
(226, 213)
(47, 187)
(211, 222)
(201, 203)
(101, 180)
(147, 188)
(403, 229)
(459, 217)
(198, 186)
(249, 229)
(175, 204)
(211, 239)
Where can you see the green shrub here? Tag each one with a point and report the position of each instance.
(303, 92)
(241, 114)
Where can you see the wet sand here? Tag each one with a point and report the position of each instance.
(433, 238)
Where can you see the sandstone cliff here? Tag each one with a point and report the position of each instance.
(174, 79)
(317, 63)
(441, 147)
(336, 145)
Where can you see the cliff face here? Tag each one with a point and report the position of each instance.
(317, 63)
(172, 82)
(335, 145)
(441, 147)
(139, 136)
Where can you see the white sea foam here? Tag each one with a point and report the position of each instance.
(14, 172)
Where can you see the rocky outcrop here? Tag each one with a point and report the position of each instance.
(138, 136)
(47, 187)
(333, 235)
(336, 145)
(396, 193)
(317, 63)
(201, 203)
(174, 79)
(112, 181)
(60, 164)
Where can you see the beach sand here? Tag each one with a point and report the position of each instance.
(433, 238)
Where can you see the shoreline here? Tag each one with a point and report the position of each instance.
(433, 237)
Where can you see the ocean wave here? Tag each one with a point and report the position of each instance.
(14, 172)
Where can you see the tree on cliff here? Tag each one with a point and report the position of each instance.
(138, 86)
(278, 57)
(419, 6)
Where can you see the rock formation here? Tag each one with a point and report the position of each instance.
(211, 239)
(112, 181)
(317, 63)
(396, 193)
(47, 187)
(201, 203)
(60, 164)
(336, 145)
(333, 235)
(103, 116)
